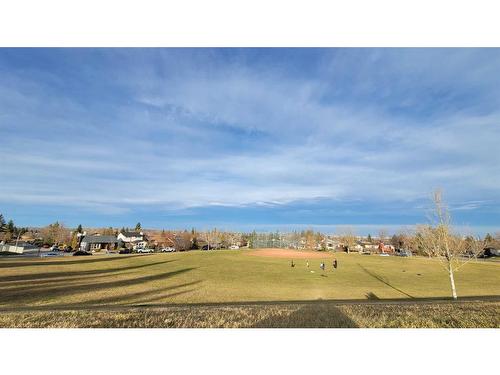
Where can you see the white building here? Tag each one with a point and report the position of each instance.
(136, 239)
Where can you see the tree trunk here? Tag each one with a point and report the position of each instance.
(452, 282)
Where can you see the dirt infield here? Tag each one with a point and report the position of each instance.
(287, 253)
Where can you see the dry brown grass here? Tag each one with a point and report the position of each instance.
(307, 315)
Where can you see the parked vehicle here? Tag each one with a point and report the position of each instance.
(141, 250)
(37, 243)
(125, 251)
(68, 249)
(54, 248)
(234, 247)
(490, 252)
(81, 253)
(404, 253)
(168, 249)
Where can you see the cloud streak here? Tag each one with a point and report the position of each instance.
(181, 129)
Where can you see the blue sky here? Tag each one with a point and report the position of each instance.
(249, 138)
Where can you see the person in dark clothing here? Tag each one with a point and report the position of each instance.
(322, 266)
(335, 263)
(292, 264)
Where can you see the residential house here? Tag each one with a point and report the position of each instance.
(28, 237)
(98, 242)
(358, 247)
(136, 240)
(385, 249)
(331, 243)
(160, 240)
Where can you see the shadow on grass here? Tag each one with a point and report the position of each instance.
(372, 296)
(69, 274)
(136, 298)
(322, 315)
(384, 281)
(36, 293)
(51, 262)
(146, 302)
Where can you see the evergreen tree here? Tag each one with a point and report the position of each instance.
(369, 238)
(2, 223)
(138, 226)
(194, 245)
(11, 228)
(79, 229)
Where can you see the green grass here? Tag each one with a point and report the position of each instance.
(226, 277)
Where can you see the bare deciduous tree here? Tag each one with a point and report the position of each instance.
(213, 238)
(348, 238)
(438, 240)
(310, 240)
(56, 233)
(382, 235)
(207, 236)
(182, 241)
(496, 240)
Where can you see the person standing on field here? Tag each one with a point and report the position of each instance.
(307, 263)
(335, 263)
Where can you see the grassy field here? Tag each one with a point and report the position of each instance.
(218, 277)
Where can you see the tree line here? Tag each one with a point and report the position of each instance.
(9, 230)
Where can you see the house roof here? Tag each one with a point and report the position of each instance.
(99, 239)
(158, 236)
(132, 234)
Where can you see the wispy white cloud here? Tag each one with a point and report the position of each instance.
(186, 129)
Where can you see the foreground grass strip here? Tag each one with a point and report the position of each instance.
(317, 315)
